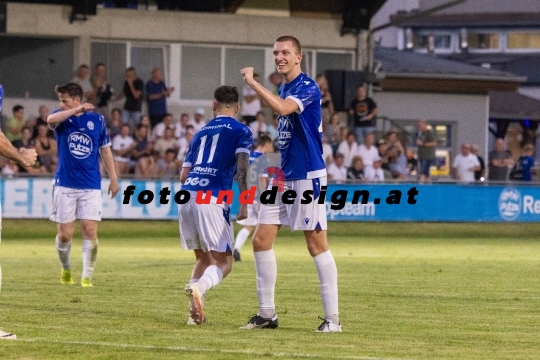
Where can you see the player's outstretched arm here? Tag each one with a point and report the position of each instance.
(281, 106)
(25, 157)
(242, 168)
(106, 155)
(60, 116)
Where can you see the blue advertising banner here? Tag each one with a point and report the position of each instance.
(31, 198)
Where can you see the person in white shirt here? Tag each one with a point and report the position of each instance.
(251, 104)
(348, 148)
(183, 143)
(337, 171)
(180, 129)
(258, 127)
(198, 122)
(122, 144)
(465, 164)
(369, 152)
(327, 152)
(159, 129)
(374, 172)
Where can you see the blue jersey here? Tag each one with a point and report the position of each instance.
(212, 154)
(1, 96)
(300, 133)
(79, 140)
(253, 155)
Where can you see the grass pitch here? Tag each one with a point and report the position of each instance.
(407, 291)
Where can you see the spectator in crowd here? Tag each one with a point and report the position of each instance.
(392, 140)
(143, 162)
(102, 89)
(332, 132)
(115, 124)
(337, 171)
(412, 162)
(251, 103)
(15, 123)
(159, 129)
(184, 143)
(465, 164)
(166, 142)
(426, 150)
(83, 79)
(363, 112)
(348, 149)
(355, 173)
(258, 127)
(122, 144)
(374, 172)
(145, 120)
(275, 79)
(500, 160)
(369, 152)
(133, 92)
(327, 105)
(523, 170)
(397, 163)
(167, 166)
(10, 169)
(327, 152)
(156, 96)
(47, 149)
(43, 112)
(198, 121)
(180, 130)
(480, 174)
(25, 142)
(272, 128)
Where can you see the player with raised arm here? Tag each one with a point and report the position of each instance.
(25, 157)
(300, 145)
(264, 145)
(82, 137)
(216, 153)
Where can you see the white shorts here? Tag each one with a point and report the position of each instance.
(205, 226)
(252, 215)
(297, 216)
(70, 204)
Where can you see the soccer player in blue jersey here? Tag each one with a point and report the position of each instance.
(264, 145)
(25, 157)
(82, 137)
(216, 153)
(300, 145)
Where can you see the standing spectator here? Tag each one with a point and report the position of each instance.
(206, 229)
(332, 132)
(251, 104)
(15, 123)
(198, 121)
(426, 150)
(327, 104)
(348, 148)
(122, 144)
(132, 91)
(499, 161)
(465, 164)
(102, 89)
(46, 148)
(299, 107)
(337, 171)
(82, 78)
(480, 174)
(355, 173)
(156, 96)
(412, 162)
(363, 112)
(258, 127)
(523, 170)
(43, 112)
(77, 182)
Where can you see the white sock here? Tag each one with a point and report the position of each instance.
(211, 277)
(265, 264)
(326, 267)
(241, 238)
(63, 249)
(89, 255)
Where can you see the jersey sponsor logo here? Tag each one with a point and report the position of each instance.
(196, 181)
(80, 145)
(90, 125)
(204, 170)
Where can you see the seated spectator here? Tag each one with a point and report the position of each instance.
(327, 105)
(368, 152)
(355, 173)
(327, 153)
(145, 120)
(374, 172)
(168, 141)
(122, 144)
(348, 148)
(412, 162)
(180, 130)
(337, 171)
(46, 148)
(10, 169)
(43, 112)
(258, 127)
(198, 121)
(183, 143)
(168, 167)
(397, 163)
(15, 123)
(143, 162)
(159, 129)
(115, 124)
(332, 132)
(26, 142)
(272, 128)
(393, 140)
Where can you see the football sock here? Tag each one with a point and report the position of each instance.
(63, 250)
(327, 270)
(212, 277)
(266, 267)
(241, 238)
(89, 255)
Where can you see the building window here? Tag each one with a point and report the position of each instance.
(145, 59)
(333, 61)
(440, 41)
(113, 55)
(238, 58)
(200, 72)
(479, 41)
(523, 40)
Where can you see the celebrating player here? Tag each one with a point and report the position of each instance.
(25, 157)
(300, 145)
(216, 152)
(82, 137)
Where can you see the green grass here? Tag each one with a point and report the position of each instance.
(407, 291)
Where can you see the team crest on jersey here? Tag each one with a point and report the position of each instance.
(90, 125)
(80, 145)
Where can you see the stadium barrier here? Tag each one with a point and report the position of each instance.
(31, 198)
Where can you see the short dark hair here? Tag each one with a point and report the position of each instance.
(72, 89)
(292, 39)
(226, 95)
(17, 108)
(263, 140)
